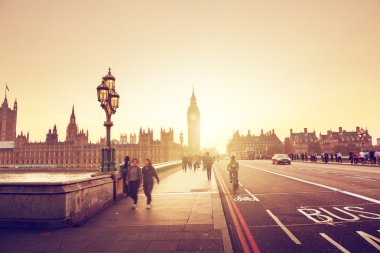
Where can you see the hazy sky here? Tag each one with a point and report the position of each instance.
(255, 64)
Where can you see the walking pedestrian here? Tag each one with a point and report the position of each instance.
(326, 157)
(362, 157)
(356, 157)
(134, 180)
(189, 163)
(208, 164)
(149, 172)
(377, 157)
(351, 157)
(184, 163)
(372, 158)
(124, 169)
(339, 157)
(203, 163)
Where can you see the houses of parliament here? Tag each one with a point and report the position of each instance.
(76, 151)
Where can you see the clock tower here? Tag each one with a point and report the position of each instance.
(193, 126)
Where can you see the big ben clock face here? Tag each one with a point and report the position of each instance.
(193, 117)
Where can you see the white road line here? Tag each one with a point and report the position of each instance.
(320, 185)
(340, 247)
(373, 178)
(241, 184)
(370, 239)
(361, 178)
(324, 167)
(253, 196)
(285, 229)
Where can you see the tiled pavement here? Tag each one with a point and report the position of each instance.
(186, 216)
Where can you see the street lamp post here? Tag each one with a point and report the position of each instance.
(109, 101)
(181, 140)
(362, 136)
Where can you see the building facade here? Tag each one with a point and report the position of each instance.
(345, 141)
(8, 121)
(254, 147)
(77, 152)
(302, 142)
(193, 124)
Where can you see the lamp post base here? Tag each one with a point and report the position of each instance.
(108, 160)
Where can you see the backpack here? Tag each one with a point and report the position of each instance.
(234, 165)
(208, 161)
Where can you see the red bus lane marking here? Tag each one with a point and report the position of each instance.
(243, 223)
(234, 218)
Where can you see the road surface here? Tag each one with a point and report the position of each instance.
(303, 207)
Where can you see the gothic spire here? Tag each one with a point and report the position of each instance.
(193, 98)
(72, 117)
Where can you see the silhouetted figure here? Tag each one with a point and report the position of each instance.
(124, 169)
(184, 163)
(372, 158)
(351, 157)
(208, 164)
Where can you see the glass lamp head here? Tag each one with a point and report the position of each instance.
(102, 91)
(110, 84)
(115, 100)
(109, 80)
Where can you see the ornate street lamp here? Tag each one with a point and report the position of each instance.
(109, 101)
(181, 140)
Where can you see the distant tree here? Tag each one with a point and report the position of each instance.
(286, 146)
(345, 149)
(341, 148)
(275, 149)
(314, 147)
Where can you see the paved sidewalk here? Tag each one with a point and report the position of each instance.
(186, 216)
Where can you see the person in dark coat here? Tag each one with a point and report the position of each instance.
(149, 172)
(208, 164)
(124, 169)
(184, 163)
(326, 157)
(351, 157)
(372, 158)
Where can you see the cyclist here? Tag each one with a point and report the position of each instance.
(233, 167)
